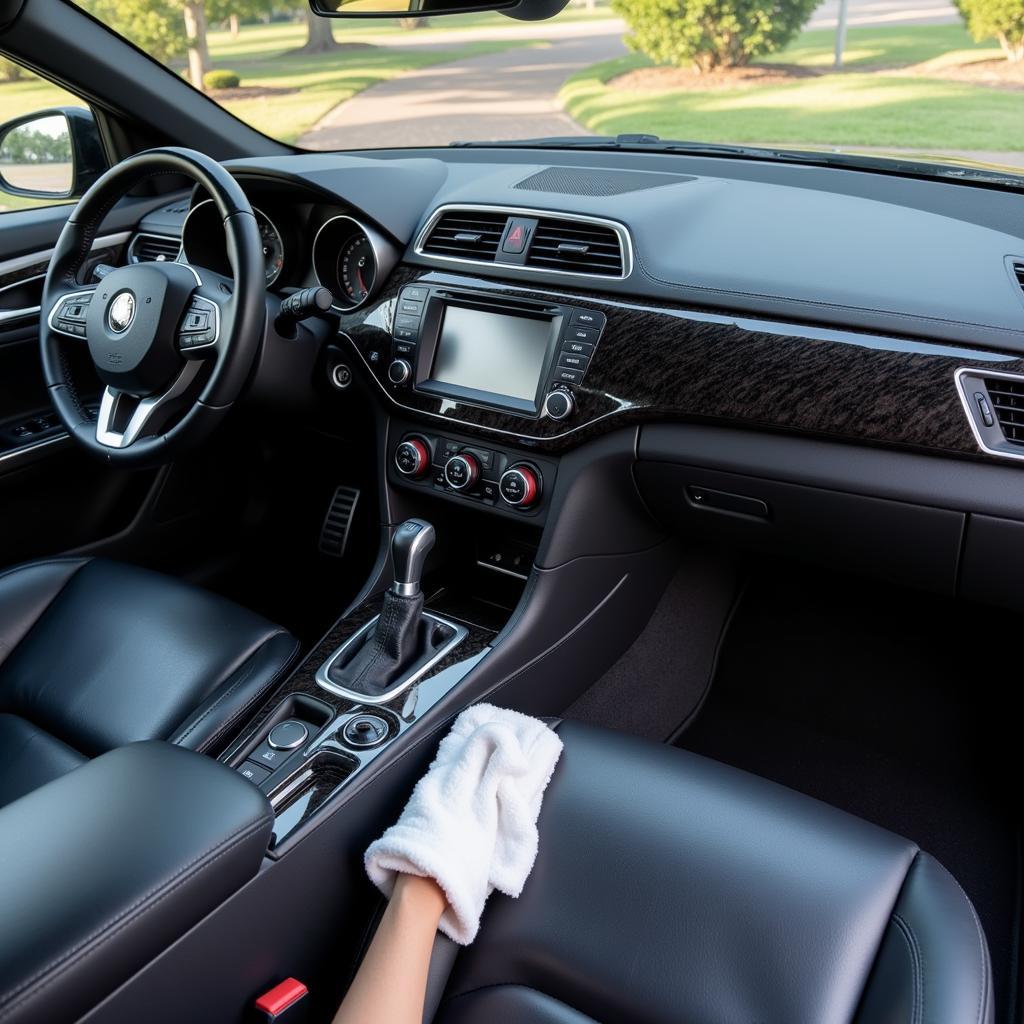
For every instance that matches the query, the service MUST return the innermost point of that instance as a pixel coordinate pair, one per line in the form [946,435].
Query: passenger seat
[670,889]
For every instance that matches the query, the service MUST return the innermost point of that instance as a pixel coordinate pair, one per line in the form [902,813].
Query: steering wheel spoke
[199,333]
[124,418]
[68,313]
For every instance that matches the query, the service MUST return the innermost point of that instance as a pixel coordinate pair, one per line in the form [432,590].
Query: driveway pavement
[513,94]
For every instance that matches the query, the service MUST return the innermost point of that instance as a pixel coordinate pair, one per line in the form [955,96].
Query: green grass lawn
[857,107]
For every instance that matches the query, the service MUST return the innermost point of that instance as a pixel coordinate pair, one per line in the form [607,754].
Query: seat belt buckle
[287,1003]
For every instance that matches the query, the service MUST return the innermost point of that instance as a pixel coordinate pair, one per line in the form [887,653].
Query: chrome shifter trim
[324,680]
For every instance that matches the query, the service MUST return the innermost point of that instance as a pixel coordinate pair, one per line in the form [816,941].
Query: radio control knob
[462,471]
[559,405]
[412,458]
[520,486]
[399,371]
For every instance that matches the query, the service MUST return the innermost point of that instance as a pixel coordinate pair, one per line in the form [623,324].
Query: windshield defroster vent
[153,249]
[467,234]
[576,246]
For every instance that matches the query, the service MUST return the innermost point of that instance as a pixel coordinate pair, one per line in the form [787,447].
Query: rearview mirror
[51,154]
[521,10]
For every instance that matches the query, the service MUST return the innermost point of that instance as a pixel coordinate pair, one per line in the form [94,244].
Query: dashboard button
[412,457]
[587,334]
[406,333]
[405,320]
[414,294]
[588,318]
[520,486]
[565,375]
[581,348]
[410,307]
[574,361]
[399,371]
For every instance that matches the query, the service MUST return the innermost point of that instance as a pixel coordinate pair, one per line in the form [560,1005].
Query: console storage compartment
[107,866]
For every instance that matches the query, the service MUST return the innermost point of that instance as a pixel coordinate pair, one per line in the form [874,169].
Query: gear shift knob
[409,549]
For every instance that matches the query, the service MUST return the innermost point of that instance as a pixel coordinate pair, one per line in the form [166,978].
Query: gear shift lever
[409,549]
[400,638]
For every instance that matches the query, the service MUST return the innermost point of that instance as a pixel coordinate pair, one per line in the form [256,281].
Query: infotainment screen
[488,352]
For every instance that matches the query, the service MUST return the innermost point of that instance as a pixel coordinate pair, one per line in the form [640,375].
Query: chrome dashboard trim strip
[12,266]
[27,449]
[621,231]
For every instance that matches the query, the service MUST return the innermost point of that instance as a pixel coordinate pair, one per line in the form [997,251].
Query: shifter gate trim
[323,679]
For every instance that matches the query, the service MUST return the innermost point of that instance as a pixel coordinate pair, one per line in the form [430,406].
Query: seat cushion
[29,758]
[671,888]
[96,654]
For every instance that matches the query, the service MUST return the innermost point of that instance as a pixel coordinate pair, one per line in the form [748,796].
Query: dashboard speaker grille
[469,234]
[153,249]
[1007,397]
[568,181]
[576,246]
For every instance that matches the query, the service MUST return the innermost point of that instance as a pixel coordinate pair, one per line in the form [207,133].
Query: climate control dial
[520,486]
[412,458]
[462,471]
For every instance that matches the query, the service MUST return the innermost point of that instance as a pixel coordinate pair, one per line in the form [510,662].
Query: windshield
[922,78]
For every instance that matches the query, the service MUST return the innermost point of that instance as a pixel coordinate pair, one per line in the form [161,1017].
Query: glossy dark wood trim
[664,362]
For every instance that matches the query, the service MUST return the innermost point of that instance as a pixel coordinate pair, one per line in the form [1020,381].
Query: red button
[280,997]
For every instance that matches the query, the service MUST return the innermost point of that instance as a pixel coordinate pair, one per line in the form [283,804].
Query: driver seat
[95,654]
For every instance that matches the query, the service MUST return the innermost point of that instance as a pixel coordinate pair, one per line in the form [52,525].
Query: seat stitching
[247,672]
[917,967]
[216,735]
[145,902]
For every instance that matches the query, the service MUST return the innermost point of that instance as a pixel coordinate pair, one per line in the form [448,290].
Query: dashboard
[541,303]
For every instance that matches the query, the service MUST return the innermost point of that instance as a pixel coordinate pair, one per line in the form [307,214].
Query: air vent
[576,246]
[153,249]
[1017,269]
[467,234]
[1007,397]
[338,521]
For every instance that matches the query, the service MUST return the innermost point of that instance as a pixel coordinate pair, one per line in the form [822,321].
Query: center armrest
[105,867]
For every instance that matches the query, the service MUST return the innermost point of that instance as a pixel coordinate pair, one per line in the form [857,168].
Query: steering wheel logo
[121,312]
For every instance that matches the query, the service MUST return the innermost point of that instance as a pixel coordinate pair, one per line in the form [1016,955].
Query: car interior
[710,459]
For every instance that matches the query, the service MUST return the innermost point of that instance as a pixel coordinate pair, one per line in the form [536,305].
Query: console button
[520,486]
[268,756]
[462,471]
[365,731]
[406,333]
[588,318]
[399,371]
[410,307]
[288,735]
[405,320]
[581,348]
[565,375]
[574,361]
[559,405]
[587,334]
[414,293]
[255,773]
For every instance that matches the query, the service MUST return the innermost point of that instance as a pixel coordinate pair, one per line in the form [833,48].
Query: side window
[50,150]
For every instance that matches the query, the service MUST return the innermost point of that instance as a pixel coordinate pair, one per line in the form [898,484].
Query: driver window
[35,154]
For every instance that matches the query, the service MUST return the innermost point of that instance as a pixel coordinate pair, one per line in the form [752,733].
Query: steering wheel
[172,343]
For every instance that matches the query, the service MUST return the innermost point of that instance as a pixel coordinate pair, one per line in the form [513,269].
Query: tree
[319,33]
[710,34]
[996,19]
[9,70]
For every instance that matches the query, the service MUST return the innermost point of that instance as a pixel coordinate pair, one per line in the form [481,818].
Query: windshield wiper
[687,147]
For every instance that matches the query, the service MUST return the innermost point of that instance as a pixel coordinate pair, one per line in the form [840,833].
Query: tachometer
[357,269]
[351,260]
[273,247]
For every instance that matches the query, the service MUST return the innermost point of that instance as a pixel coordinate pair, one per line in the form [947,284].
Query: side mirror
[51,154]
[521,10]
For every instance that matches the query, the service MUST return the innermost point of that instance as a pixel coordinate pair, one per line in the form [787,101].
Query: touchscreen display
[503,355]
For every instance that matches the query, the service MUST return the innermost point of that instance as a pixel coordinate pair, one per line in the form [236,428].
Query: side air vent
[579,247]
[467,234]
[1006,400]
[153,249]
[1017,269]
[994,403]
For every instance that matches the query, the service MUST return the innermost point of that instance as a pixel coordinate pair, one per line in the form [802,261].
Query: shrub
[221,80]
[996,19]
[9,71]
[711,33]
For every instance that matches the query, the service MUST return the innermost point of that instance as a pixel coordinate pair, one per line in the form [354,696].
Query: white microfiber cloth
[471,822]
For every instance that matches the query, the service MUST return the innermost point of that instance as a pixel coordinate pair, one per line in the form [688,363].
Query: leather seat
[96,654]
[670,888]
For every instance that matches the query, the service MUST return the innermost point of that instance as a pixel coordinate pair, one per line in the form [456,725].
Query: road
[513,94]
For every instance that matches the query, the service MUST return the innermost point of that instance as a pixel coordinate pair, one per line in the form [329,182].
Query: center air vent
[153,249]
[531,240]
[577,246]
[467,234]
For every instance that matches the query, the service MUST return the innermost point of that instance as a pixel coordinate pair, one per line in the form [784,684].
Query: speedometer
[273,247]
[357,269]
